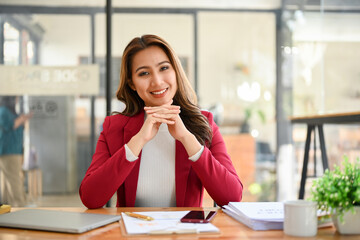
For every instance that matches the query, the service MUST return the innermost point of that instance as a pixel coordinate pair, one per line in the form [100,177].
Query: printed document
[166,222]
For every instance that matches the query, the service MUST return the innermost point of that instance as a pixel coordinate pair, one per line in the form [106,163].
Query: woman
[161,151]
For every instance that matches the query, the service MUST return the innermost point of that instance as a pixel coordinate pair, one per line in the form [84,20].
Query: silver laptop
[57,221]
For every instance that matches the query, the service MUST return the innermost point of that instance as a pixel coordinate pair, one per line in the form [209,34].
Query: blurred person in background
[11,152]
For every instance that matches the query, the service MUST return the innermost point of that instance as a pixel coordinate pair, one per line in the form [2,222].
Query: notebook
[57,221]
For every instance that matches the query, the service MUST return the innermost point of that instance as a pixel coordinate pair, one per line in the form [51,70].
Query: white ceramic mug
[300,218]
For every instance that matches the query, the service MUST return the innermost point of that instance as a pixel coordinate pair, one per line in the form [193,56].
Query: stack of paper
[167,222]
[266,215]
[257,215]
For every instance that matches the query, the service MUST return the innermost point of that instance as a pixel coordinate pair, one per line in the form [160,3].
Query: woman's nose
[156,79]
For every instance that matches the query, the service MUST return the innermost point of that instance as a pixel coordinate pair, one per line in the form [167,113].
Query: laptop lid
[57,221]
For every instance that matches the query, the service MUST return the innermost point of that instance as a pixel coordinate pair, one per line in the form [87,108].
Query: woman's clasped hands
[168,114]
[155,116]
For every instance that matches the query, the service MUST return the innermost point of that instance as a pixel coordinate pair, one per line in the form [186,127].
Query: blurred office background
[253,64]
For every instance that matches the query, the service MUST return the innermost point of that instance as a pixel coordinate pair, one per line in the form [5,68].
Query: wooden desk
[229,229]
[317,121]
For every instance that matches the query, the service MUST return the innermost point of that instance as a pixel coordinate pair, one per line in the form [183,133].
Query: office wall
[177,29]
[66,38]
[231,38]
[326,69]
[236,48]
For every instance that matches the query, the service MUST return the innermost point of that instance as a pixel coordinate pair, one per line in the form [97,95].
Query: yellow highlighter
[4,208]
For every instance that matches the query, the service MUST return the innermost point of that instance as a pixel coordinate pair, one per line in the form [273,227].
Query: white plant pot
[351,224]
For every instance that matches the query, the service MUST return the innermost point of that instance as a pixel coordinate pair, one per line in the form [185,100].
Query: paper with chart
[165,222]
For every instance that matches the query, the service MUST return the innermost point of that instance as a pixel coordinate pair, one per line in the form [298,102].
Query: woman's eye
[164,68]
[143,74]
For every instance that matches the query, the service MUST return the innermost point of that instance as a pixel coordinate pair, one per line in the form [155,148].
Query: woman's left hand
[178,129]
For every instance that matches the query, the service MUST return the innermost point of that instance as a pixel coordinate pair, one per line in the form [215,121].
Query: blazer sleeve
[216,171]
[107,172]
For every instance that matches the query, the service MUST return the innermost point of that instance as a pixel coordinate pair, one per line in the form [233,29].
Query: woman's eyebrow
[142,67]
[163,62]
[139,68]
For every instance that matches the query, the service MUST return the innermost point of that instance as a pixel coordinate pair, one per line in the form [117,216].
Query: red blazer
[110,172]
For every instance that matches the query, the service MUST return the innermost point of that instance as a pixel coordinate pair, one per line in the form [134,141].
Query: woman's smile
[160,92]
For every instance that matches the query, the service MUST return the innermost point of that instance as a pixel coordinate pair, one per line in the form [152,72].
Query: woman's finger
[165,115]
[161,108]
[161,119]
[163,111]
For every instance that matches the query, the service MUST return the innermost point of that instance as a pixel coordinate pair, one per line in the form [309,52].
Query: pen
[139,216]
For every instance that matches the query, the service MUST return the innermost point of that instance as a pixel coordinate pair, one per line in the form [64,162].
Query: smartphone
[198,217]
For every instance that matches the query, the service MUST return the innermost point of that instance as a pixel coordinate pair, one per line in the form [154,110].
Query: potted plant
[338,192]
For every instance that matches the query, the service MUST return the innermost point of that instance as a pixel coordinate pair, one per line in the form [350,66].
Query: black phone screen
[198,216]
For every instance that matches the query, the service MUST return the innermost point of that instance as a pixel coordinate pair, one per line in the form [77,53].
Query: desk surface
[229,229]
[349,117]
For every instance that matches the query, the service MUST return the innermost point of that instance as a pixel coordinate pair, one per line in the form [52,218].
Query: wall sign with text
[49,81]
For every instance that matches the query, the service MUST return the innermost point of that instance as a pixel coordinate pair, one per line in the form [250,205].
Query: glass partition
[324,49]
[237,77]
[53,138]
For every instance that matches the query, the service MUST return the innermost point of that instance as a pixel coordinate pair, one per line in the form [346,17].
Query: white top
[156,182]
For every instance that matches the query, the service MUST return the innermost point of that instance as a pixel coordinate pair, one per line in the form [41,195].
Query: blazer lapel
[130,129]
[182,169]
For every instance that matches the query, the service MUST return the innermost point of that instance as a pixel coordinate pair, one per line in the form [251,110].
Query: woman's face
[153,76]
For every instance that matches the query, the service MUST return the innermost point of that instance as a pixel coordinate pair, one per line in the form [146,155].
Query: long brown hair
[185,96]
